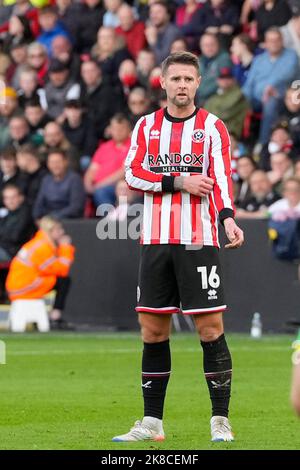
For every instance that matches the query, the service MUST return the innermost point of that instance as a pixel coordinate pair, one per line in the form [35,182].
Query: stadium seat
[28,311]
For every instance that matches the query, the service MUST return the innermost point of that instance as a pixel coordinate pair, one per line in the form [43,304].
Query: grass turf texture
[70,391]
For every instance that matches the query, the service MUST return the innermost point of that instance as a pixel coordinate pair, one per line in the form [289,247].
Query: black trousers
[62,287]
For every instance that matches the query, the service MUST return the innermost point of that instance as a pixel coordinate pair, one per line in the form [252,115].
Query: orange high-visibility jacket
[36,266]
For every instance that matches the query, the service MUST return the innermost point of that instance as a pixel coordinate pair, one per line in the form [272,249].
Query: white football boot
[220,429]
[149,429]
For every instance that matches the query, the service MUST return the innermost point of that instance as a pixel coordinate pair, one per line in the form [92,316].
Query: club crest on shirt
[198,136]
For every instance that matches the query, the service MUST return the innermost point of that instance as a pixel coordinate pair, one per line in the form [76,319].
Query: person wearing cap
[228,102]
[60,87]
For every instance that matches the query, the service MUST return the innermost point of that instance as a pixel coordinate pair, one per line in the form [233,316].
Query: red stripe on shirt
[175,216]
[153,148]
[212,213]
[136,165]
[225,151]
[198,148]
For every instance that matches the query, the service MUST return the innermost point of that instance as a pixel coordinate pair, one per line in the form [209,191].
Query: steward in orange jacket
[37,265]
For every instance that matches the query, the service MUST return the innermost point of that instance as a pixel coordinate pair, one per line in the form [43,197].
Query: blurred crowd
[76,75]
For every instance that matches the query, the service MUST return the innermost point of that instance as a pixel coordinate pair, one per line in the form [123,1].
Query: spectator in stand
[18,57]
[19,132]
[111,17]
[37,119]
[91,14]
[29,88]
[20,7]
[62,50]
[139,104]
[238,150]
[69,14]
[16,227]
[216,16]
[54,138]
[289,206]
[281,170]
[8,107]
[32,172]
[145,63]
[9,171]
[242,55]
[245,166]
[212,59]
[5,62]
[132,30]
[228,103]
[60,87]
[154,88]
[160,32]
[280,141]
[128,77]
[109,52]
[289,116]
[107,166]
[41,265]
[80,131]
[262,196]
[291,31]
[98,97]
[249,7]
[269,76]
[179,45]
[125,197]
[61,193]
[18,31]
[38,60]
[186,12]
[50,26]
[271,13]
[297,169]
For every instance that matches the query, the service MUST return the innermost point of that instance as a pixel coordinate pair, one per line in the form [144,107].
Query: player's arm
[140,178]
[136,176]
[220,172]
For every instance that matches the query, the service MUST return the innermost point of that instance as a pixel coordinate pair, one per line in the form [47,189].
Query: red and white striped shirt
[165,146]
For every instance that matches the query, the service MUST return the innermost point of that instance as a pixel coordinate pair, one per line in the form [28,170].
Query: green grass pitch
[75,391]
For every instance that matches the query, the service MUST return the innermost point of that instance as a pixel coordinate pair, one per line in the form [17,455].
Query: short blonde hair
[47,223]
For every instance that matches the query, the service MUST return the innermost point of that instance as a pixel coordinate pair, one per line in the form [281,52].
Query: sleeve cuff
[225,213]
[167,184]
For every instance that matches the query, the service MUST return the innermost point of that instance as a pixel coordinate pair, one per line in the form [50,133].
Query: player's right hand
[199,185]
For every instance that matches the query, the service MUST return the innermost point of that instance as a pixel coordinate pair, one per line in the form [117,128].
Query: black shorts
[173,279]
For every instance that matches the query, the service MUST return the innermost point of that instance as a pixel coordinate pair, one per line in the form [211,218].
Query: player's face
[181,82]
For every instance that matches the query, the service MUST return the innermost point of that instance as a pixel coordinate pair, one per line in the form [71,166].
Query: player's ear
[199,80]
[162,82]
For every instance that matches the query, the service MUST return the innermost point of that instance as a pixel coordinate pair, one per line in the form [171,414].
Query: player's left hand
[234,234]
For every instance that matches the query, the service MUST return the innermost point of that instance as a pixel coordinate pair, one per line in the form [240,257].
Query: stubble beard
[181,104]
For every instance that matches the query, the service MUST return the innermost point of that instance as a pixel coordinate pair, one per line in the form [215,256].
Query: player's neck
[180,113]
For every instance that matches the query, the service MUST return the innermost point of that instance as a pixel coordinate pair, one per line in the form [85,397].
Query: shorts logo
[198,136]
[212,294]
[138,293]
[154,134]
